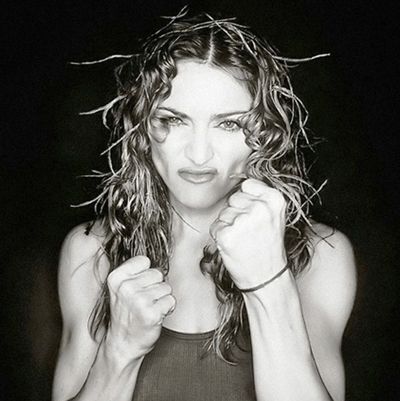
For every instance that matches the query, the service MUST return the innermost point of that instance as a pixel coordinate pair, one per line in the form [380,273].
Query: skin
[200,128]
[292,370]
[296,325]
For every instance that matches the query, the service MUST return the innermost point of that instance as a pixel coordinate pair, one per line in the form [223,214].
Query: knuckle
[127,288]
[122,288]
[141,301]
[221,213]
[234,198]
[150,276]
[262,212]
[240,218]
[172,299]
[167,288]
[280,199]
[213,230]
[224,237]
[238,202]
[153,317]
[224,214]
[140,261]
[249,182]
[157,274]
[112,280]
[246,184]
[171,304]
[253,185]
[260,207]
[161,290]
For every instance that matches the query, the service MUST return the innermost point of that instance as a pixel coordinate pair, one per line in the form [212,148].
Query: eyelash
[176,122]
[171,121]
[236,127]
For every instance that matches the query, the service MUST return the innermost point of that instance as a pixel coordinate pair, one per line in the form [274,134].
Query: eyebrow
[185,116]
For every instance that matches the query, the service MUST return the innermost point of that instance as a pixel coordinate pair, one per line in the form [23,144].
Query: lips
[197,176]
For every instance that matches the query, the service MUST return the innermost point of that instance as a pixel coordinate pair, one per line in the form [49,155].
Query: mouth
[197,176]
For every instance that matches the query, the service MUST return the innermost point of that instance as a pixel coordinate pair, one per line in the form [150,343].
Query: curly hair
[134,202]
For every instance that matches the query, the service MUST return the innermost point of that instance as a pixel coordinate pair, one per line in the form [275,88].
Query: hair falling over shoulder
[133,203]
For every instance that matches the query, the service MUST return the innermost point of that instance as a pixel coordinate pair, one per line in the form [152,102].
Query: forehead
[200,87]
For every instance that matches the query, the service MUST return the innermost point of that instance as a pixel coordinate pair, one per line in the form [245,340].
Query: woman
[204,278]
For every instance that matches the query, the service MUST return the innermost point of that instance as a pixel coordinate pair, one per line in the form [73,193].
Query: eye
[230,125]
[171,121]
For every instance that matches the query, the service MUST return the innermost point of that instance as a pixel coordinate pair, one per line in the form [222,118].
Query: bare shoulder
[80,249]
[332,252]
[82,268]
[86,238]
[327,286]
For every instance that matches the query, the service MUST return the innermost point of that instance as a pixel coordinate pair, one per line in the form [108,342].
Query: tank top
[180,368]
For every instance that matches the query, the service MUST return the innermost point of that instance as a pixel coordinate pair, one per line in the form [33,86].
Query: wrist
[266,282]
[276,298]
[110,377]
[119,356]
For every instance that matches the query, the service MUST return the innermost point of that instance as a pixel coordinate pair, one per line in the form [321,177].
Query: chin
[199,200]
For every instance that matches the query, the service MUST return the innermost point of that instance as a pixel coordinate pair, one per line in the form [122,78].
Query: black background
[45,145]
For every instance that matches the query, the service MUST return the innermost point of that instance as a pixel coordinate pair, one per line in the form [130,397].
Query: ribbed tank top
[179,368]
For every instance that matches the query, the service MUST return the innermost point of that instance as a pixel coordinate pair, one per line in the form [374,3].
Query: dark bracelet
[257,287]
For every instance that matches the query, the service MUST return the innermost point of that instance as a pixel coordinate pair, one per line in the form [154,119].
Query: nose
[199,149]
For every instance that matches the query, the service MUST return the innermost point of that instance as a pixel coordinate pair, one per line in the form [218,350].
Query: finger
[166,305]
[228,215]
[240,200]
[254,187]
[127,270]
[149,277]
[216,226]
[263,192]
[126,286]
[158,291]
[134,265]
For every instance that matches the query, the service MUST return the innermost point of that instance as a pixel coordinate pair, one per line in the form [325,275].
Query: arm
[109,378]
[139,300]
[85,368]
[298,327]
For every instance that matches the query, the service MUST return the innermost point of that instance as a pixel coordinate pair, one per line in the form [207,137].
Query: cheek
[164,156]
[158,132]
[236,156]
[159,158]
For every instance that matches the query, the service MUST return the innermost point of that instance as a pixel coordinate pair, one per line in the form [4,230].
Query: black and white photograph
[200,201]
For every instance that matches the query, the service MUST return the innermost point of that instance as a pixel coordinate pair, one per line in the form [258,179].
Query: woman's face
[196,139]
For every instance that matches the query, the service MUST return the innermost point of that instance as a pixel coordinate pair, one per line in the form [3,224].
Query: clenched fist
[139,302]
[249,233]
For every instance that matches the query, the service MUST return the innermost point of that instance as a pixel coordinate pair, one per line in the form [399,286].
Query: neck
[194,224]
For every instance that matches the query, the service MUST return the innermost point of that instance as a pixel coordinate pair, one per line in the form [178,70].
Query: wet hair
[134,205]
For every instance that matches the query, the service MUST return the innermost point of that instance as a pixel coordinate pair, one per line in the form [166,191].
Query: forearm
[284,366]
[111,378]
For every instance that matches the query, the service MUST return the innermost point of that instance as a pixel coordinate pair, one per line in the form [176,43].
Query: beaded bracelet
[257,287]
